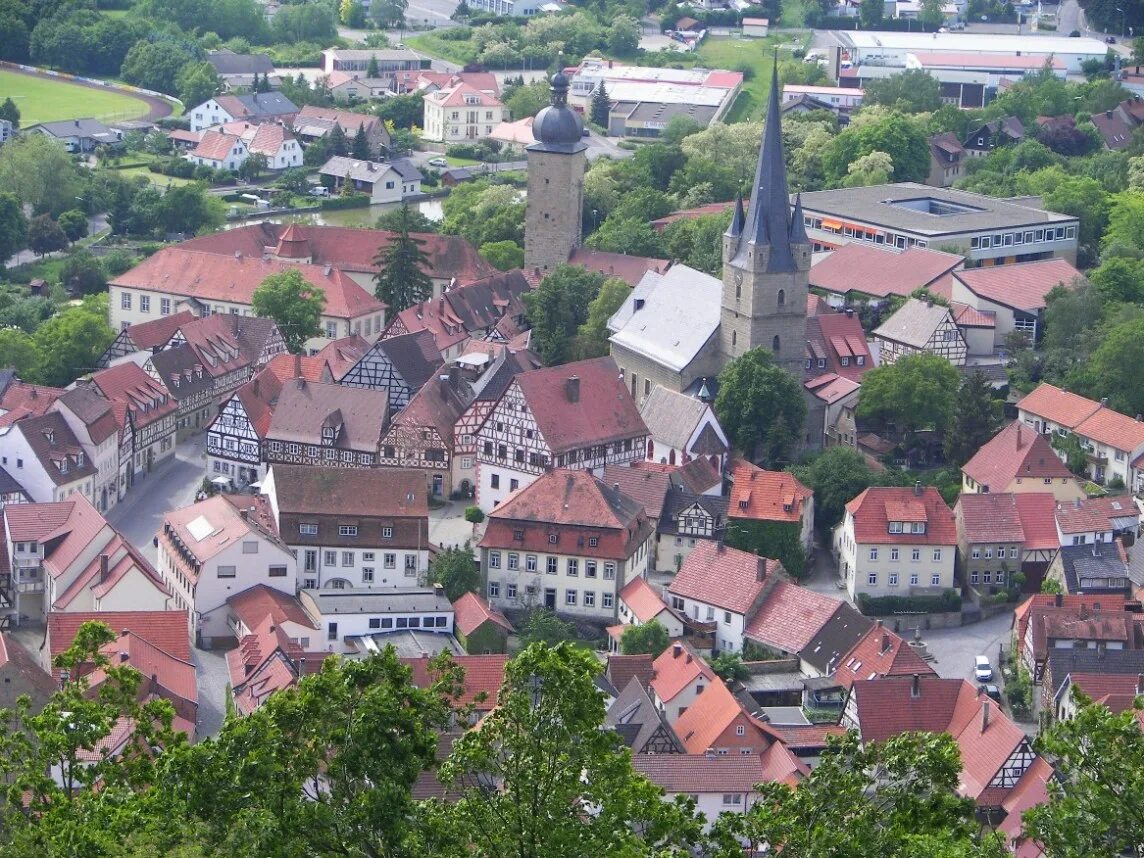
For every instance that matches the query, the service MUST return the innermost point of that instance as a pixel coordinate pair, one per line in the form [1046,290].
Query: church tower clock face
[738,278]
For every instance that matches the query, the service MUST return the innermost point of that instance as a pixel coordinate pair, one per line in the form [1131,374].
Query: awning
[830,223]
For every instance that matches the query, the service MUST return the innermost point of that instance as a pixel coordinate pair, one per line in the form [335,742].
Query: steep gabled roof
[472,611]
[646,487]
[877,506]
[1059,406]
[879,653]
[1015,451]
[569,497]
[724,577]
[990,518]
[790,617]
[672,417]
[676,668]
[635,717]
[761,495]
[915,323]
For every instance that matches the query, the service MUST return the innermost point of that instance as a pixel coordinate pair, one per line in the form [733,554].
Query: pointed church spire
[768,223]
[736,227]
[797,224]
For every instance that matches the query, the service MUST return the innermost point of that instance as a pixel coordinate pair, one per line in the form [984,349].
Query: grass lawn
[430,43]
[735,53]
[154,178]
[43,100]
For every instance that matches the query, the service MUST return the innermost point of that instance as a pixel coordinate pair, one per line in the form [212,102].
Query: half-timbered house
[143,407]
[422,435]
[180,371]
[398,365]
[921,327]
[579,416]
[352,528]
[995,752]
[145,336]
[566,542]
[327,425]
[235,437]
[640,724]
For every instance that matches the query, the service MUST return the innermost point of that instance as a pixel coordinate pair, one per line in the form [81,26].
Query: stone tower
[556,163]
[766,262]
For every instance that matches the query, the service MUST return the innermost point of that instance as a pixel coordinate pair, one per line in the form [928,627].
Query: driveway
[95,224]
[171,485]
[448,528]
[954,649]
[213,679]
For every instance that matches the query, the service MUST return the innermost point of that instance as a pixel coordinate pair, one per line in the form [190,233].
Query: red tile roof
[714,712]
[630,269]
[1095,514]
[830,388]
[215,146]
[1059,406]
[691,774]
[690,214]
[834,336]
[990,518]
[398,493]
[603,412]
[472,611]
[872,513]
[790,617]
[484,676]
[676,668]
[643,600]
[965,316]
[174,674]
[1117,430]
[166,630]
[1116,692]
[1032,789]
[645,486]
[341,355]
[880,273]
[260,602]
[760,495]
[725,577]
[158,332]
[621,669]
[127,384]
[1016,451]
[22,400]
[879,653]
[226,523]
[187,271]
[126,557]
[1037,512]
[1038,604]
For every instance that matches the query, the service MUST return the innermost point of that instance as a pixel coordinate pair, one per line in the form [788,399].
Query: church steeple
[736,227]
[768,223]
[798,223]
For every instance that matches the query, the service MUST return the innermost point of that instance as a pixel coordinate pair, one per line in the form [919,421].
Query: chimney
[918,488]
[885,644]
[123,657]
[1058,600]
[1104,402]
[103,560]
[572,388]
[297,366]
[245,513]
[849,312]
[709,754]
[1108,114]
[916,688]
[301,383]
[1018,436]
[676,649]
[984,715]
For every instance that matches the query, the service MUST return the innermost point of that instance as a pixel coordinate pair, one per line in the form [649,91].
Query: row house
[145,413]
[541,421]
[1106,667]
[1044,623]
[191,389]
[18,399]
[236,437]
[770,503]
[352,528]
[326,424]
[897,542]
[422,435]
[1093,521]
[1019,460]
[1001,534]
[490,308]
[65,557]
[565,542]
[398,365]
[91,418]
[46,458]
[718,589]
[920,327]
[839,405]
[1113,443]
[683,428]
[215,549]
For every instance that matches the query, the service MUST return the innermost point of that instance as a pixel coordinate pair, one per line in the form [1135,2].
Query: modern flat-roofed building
[389,60]
[986,230]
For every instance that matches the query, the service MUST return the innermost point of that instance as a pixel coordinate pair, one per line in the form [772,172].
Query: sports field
[47,100]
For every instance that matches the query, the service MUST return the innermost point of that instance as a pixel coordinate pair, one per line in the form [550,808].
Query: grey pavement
[954,649]
[213,679]
[448,528]
[96,223]
[171,485]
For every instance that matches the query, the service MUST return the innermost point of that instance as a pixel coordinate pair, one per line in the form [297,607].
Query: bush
[474,515]
[349,201]
[1117,482]
[884,606]
[485,150]
[1019,690]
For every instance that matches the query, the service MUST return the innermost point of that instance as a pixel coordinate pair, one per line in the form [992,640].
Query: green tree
[633,236]
[592,337]
[415,220]
[503,255]
[1110,376]
[601,105]
[72,341]
[544,748]
[761,407]
[837,476]
[527,99]
[13,226]
[19,350]
[9,111]
[910,91]
[543,626]
[401,280]
[83,274]
[403,111]
[932,13]
[729,667]
[74,224]
[1120,278]
[557,309]
[1125,219]
[651,638]
[307,22]
[900,137]
[456,571]
[915,392]
[779,540]
[892,798]
[1099,759]
[976,417]
[371,70]
[41,174]
[156,65]
[189,209]
[336,142]
[870,13]
[388,14]
[253,167]
[624,35]
[45,235]
[294,304]
[198,82]
[360,147]
[874,168]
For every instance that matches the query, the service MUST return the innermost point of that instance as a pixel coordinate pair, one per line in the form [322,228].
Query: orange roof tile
[676,668]
[642,599]
[167,630]
[880,273]
[713,712]
[254,605]
[871,511]
[1059,406]
[1015,451]
[766,495]
[1022,286]
[484,676]
[471,611]
[724,577]
[1037,512]
[879,653]
[1114,429]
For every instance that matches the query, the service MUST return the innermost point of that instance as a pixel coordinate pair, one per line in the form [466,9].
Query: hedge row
[884,606]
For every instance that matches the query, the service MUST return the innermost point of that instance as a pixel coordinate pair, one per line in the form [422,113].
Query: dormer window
[743,504]
[845,361]
[518,534]
[860,360]
[895,527]
[50,435]
[63,466]
[79,459]
[919,527]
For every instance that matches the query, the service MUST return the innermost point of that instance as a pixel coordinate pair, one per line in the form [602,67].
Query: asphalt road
[95,224]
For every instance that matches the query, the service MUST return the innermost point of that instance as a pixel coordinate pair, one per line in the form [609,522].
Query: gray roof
[880,205]
[558,128]
[679,499]
[395,600]
[304,407]
[1062,662]
[414,356]
[267,103]
[914,323]
[1093,569]
[672,417]
[658,111]
[379,53]
[678,313]
[177,368]
[9,485]
[836,638]
[368,171]
[635,717]
[54,444]
[406,168]
[92,128]
[229,63]
[409,643]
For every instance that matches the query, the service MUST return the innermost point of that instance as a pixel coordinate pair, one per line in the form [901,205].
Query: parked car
[1111,40]
[982,669]
[438,162]
[991,691]
[319,191]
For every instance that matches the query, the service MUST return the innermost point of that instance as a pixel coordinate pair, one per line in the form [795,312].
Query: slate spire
[768,216]
[736,227]
[797,223]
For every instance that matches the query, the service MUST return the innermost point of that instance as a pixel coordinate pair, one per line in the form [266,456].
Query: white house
[254,107]
[272,140]
[92,420]
[683,428]
[215,549]
[45,457]
[344,616]
[718,589]
[462,113]
[389,182]
[897,542]
[679,676]
[219,151]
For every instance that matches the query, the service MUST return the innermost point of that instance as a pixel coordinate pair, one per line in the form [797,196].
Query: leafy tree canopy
[761,407]
[294,304]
